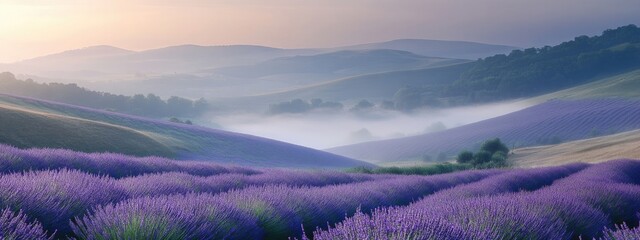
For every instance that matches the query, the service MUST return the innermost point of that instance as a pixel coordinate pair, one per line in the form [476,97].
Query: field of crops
[547,123]
[182,141]
[63,194]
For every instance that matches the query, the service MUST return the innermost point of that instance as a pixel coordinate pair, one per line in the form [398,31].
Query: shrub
[494,145]
[482,157]
[465,157]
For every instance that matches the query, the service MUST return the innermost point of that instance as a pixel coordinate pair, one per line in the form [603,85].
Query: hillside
[592,150]
[520,74]
[98,62]
[438,48]
[349,62]
[149,106]
[551,122]
[25,129]
[180,141]
[625,85]
[380,86]
[95,61]
[536,71]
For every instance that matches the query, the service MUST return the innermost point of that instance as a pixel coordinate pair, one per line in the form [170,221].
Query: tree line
[532,71]
[149,105]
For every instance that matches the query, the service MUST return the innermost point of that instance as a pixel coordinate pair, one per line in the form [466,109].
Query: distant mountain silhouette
[438,48]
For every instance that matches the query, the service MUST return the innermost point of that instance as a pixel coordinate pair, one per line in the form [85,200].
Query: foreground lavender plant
[400,225]
[168,217]
[14,226]
[55,197]
[279,211]
[582,204]
[621,232]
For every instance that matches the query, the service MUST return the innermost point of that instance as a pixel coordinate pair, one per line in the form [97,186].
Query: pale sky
[30,28]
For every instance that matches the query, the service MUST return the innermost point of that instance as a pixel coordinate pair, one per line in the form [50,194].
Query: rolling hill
[551,122]
[50,124]
[625,85]
[26,129]
[520,74]
[438,48]
[379,86]
[100,61]
[345,63]
[592,150]
[285,73]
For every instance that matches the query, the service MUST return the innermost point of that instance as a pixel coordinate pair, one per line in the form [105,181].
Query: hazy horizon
[35,28]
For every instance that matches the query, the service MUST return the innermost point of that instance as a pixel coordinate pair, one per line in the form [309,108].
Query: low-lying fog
[323,130]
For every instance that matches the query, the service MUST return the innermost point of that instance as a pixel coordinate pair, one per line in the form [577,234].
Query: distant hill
[275,75]
[592,150]
[438,48]
[535,71]
[50,124]
[345,63]
[87,52]
[376,86]
[99,61]
[109,63]
[520,74]
[547,123]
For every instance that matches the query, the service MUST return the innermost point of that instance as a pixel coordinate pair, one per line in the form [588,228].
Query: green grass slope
[85,129]
[24,129]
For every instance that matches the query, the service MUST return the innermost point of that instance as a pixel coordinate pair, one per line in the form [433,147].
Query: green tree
[482,157]
[499,158]
[464,157]
[494,145]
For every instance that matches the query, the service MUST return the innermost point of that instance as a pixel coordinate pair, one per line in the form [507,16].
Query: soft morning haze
[319,119]
[33,28]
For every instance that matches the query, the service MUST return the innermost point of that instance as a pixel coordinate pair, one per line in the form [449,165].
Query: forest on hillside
[150,105]
[533,71]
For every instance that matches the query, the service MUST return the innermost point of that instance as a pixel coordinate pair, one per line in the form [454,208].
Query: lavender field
[547,123]
[61,194]
[182,141]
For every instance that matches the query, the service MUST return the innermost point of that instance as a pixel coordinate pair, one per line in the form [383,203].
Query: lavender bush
[169,217]
[579,205]
[55,197]
[622,232]
[281,210]
[14,226]
[111,196]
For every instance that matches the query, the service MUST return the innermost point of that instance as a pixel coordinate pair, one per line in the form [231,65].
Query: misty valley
[315,128]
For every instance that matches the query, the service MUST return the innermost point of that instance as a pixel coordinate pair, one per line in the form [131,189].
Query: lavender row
[54,197]
[622,232]
[275,212]
[111,164]
[515,180]
[580,205]
[512,181]
[15,226]
[180,183]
